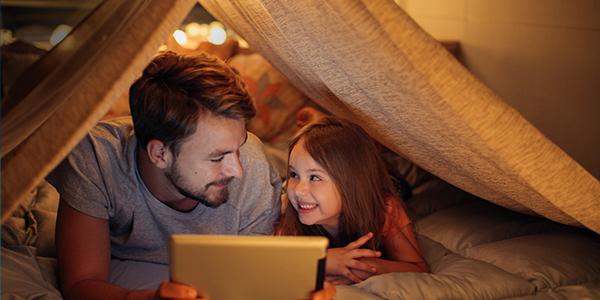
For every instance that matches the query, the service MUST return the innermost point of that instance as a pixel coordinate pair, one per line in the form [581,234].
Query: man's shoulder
[253,142]
[108,145]
[107,136]
[260,181]
[253,151]
[114,129]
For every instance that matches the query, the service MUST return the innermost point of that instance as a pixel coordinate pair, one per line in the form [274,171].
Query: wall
[541,56]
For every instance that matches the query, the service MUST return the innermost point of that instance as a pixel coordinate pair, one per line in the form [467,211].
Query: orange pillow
[276,100]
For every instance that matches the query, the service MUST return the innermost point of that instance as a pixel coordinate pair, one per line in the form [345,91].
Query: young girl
[338,187]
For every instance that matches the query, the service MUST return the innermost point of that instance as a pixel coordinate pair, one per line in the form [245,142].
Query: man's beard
[176,179]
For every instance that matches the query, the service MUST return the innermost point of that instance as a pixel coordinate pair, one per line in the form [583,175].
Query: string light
[180,37]
[59,34]
[217,34]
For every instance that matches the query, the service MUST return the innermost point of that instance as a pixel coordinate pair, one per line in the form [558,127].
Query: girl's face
[312,191]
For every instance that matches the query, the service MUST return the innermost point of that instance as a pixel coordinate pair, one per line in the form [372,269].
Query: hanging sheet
[369,61]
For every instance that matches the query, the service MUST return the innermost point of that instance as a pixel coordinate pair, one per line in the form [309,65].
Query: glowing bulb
[59,33]
[194,29]
[243,44]
[215,24]
[180,37]
[217,35]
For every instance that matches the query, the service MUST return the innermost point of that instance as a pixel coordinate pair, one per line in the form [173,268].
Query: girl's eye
[315,178]
[220,158]
[293,174]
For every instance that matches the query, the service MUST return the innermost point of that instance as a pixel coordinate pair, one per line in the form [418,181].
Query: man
[183,163]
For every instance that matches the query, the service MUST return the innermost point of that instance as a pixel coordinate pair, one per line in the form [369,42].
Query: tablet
[228,267]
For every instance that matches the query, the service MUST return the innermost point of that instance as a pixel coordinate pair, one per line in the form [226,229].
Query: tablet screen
[249,267]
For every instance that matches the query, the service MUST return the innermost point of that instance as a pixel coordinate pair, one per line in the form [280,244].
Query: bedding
[475,249]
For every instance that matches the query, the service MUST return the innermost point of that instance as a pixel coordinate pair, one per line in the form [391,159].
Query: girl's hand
[340,261]
[338,280]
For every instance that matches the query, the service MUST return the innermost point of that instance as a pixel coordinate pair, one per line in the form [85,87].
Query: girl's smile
[305,208]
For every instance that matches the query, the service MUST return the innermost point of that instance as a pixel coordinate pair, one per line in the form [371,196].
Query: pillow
[479,222]
[276,100]
[25,276]
[33,223]
[453,277]
[559,258]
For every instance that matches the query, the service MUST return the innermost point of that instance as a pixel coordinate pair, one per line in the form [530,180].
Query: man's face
[208,160]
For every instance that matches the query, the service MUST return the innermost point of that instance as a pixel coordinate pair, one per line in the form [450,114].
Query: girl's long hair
[352,159]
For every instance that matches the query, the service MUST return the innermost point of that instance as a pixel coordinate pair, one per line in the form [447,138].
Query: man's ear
[159,154]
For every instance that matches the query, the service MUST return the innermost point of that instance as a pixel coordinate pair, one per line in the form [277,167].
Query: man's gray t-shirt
[100,178]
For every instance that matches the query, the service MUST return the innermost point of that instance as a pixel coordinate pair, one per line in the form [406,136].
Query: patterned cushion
[276,100]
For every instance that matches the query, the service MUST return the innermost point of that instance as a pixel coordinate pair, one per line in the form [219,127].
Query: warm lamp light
[217,35]
[180,37]
[59,33]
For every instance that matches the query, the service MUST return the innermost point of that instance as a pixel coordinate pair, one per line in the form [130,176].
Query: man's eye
[218,159]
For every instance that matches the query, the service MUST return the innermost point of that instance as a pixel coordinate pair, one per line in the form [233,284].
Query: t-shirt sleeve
[79,182]
[261,189]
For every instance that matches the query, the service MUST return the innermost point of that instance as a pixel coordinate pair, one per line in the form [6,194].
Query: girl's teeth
[307,206]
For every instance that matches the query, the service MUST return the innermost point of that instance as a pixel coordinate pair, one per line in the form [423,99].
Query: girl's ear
[158,153]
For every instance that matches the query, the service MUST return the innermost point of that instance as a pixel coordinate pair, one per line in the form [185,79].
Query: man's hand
[340,261]
[172,290]
[327,293]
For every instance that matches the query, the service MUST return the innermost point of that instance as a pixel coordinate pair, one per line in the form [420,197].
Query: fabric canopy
[61,97]
[369,61]
[366,60]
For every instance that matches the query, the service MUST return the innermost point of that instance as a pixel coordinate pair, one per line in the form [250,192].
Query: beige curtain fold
[369,61]
[64,94]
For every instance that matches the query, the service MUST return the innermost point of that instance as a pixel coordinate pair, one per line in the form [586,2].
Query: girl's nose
[301,188]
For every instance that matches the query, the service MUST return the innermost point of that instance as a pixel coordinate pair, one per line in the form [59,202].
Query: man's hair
[353,161]
[175,90]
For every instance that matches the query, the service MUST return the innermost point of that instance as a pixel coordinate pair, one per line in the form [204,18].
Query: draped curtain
[370,62]
[365,60]
[64,94]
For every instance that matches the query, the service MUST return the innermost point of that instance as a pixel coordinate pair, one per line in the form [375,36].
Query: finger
[355,264]
[176,291]
[358,253]
[360,241]
[352,276]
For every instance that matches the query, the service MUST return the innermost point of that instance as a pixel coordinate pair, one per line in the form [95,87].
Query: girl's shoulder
[396,217]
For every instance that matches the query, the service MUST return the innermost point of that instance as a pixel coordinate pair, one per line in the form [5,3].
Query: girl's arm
[403,254]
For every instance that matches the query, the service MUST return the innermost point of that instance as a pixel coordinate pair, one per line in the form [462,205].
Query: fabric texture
[25,276]
[64,94]
[370,62]
[100,178]
[137,275]
[32,224]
